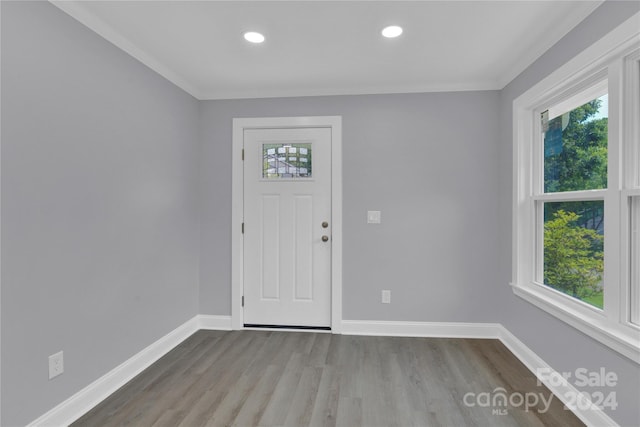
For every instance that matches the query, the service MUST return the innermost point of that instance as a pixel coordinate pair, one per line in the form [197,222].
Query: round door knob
[325,238]
[325,224]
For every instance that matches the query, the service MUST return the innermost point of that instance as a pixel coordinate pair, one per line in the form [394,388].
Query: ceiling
[332,47]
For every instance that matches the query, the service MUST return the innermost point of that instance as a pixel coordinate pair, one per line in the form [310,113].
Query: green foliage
[581,165]
[573,258]
[582,162]
[573,241]
[596,300]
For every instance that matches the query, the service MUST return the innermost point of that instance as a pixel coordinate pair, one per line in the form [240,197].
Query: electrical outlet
[56,365]
[386,297]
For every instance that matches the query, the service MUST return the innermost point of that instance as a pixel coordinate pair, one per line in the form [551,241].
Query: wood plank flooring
[264,378]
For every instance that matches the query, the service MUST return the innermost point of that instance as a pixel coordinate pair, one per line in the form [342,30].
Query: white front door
[287,227]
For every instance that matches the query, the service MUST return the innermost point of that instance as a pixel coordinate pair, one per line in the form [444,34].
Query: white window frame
[613,58]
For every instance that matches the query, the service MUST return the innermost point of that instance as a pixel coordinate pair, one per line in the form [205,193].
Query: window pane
[574,249]
[635,261]
[636,113]
[575,148]
[286,160]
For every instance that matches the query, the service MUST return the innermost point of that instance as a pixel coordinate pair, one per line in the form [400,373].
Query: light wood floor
[250,378]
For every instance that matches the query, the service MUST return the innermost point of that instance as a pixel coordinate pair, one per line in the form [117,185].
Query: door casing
[237,207]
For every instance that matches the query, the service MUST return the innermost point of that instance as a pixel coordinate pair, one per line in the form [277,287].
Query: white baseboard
[83,401]
[554,381]
[222,323]
[420,329]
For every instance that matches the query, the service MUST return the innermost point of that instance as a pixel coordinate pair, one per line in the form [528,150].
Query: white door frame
[237,208]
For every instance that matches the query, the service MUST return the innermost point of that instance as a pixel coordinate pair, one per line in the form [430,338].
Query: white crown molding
[80,403]
[553,36]
[77,11]
[371,90]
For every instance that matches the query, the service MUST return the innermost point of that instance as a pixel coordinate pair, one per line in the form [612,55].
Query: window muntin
[287,160]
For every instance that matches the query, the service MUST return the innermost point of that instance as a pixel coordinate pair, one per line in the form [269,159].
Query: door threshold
[295,327]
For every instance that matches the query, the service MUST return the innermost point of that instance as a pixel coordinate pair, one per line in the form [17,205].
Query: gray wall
[562,346]
[429,162]
[99,207]
[101,194]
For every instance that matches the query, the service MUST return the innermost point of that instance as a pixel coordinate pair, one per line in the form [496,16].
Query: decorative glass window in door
[286,160]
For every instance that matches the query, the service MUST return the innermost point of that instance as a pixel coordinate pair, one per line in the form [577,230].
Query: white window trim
[610,326]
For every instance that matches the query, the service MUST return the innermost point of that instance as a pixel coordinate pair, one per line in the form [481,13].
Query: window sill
[623,339]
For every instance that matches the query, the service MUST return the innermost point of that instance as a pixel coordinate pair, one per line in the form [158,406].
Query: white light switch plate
[373,217]
[386,297]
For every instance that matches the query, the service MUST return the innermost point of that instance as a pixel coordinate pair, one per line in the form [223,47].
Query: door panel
[287,197]
[302,251]
[270,278]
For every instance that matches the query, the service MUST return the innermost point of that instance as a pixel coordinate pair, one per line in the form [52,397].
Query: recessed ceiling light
[391,31]
[253,37]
